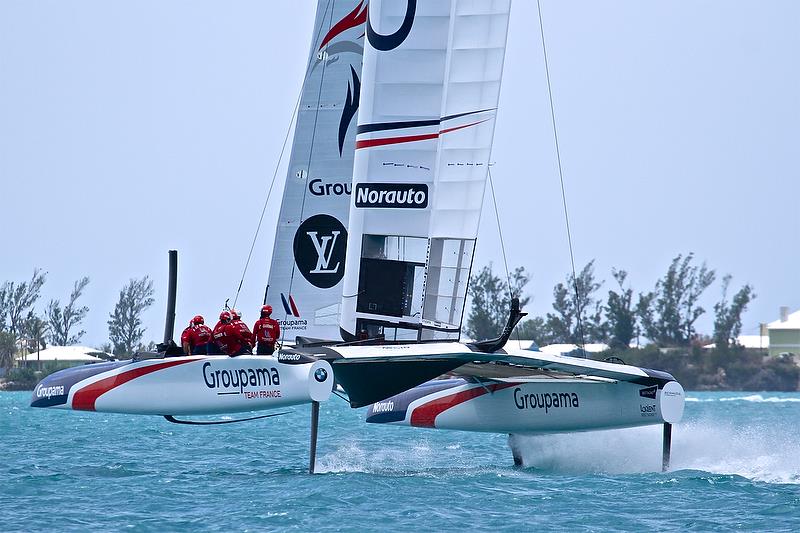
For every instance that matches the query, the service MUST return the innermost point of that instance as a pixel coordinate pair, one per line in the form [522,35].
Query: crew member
[266,332]
[186,338]
[221,338]
[201,337]
[240,335]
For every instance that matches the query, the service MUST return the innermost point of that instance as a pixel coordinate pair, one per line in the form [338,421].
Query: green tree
[62,321]
[536,329]
[125,329]
[491,301]
[668,313]
[620,313]
[18,300]
[7,349]
[728,315]
[578,314]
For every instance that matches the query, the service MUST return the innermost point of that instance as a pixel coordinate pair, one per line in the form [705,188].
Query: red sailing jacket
[201,335]
[239,335]
[186,337]
[223,339]
[266,330]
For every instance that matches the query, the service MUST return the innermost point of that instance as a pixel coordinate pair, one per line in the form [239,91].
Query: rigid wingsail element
[308,256]
[429,91]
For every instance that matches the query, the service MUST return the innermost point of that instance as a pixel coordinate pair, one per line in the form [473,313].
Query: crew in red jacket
[222,341]
[266,332]
[186,339]
[240,335]
[201,336]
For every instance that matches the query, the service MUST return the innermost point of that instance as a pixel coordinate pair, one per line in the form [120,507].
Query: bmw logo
[321,375]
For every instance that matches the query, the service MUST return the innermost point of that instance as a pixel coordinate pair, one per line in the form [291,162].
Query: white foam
[756,398]
[758,452]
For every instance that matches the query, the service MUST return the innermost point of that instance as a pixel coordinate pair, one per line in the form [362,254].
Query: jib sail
[308,256]
[430,87]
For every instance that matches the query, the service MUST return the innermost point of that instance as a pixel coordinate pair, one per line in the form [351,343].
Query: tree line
[22,328]
[666,314]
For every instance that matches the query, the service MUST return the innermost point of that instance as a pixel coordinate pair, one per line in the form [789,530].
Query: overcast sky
[128,128]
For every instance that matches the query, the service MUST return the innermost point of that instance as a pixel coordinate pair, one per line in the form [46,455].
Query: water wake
[755,398]
[759,452]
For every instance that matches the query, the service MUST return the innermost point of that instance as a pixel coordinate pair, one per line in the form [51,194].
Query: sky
[130,128]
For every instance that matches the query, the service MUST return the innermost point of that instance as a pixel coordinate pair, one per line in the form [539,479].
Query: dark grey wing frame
[492,345]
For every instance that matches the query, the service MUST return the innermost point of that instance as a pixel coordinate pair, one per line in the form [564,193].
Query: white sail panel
[308,257]
[430,88]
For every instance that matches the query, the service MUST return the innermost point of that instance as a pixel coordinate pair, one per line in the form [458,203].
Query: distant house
[747,341]
[784,333]
[68,355]
[573,349]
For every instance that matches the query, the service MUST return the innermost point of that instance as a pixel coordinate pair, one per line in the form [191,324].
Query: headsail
[310,241]
[430,87]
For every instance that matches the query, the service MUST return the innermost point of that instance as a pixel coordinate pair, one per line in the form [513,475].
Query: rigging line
[277,167]
[269,194]
[313,138]
[561,177]
[502,242]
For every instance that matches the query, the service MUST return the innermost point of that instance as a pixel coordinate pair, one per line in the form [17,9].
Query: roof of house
[793,322]
[559,349]
[747,341]
[66,353]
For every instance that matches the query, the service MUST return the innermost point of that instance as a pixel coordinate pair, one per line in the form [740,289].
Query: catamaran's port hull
[533,406]
[198,385]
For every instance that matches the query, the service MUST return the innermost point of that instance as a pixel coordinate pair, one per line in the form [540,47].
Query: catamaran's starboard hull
[198,385]
[532,406]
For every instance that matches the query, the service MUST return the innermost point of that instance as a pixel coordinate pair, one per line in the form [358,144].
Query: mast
[311,237]
[430,88]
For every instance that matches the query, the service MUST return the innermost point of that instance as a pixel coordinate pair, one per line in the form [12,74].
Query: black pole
[266,291]
[666,446]
[313,448]
[169,324]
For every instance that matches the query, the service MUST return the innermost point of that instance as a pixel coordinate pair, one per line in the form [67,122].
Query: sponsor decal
[319,188]
[393,40]
[289,306]
[48,392]
[287,356]
[320,375]
[350,109]
[648,410]
[649,392]
[383,407]
[234,381]
[320,244]
[392,195]
[545,400]
[330,51]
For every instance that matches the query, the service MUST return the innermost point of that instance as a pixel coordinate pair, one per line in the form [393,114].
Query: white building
[70,355]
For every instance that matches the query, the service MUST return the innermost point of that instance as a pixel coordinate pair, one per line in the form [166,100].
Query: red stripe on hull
[425,415]
[84,399]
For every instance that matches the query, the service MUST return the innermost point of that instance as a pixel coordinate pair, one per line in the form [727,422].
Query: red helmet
[198,320]
[266,310]
[236,314]
[225,316]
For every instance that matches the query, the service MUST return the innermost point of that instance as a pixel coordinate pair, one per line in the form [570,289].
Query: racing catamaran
[375,242]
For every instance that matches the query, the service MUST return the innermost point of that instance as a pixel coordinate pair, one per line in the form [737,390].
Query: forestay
[311,237]
[430,87]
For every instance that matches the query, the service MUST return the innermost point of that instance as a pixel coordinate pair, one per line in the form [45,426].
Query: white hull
[198,385]
[537,406]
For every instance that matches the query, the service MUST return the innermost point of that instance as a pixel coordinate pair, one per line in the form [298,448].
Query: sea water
[735,465]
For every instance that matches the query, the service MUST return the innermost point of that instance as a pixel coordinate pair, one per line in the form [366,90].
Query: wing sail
[430,88]
[311,238]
